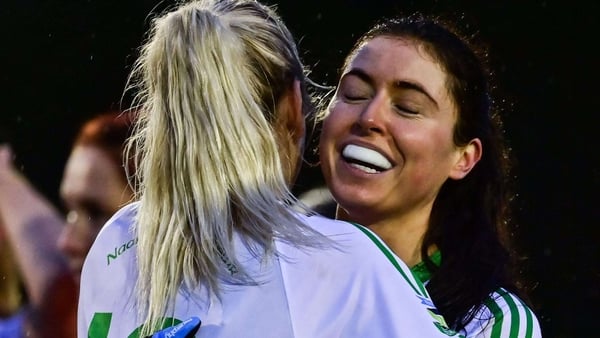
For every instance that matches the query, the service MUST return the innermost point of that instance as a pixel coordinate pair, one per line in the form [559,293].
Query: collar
[420,270]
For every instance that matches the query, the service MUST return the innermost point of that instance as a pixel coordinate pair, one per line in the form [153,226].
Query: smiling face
[93,189]
[387,142]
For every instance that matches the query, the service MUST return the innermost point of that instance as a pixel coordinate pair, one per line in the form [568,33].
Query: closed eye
[405,110]
[354,98]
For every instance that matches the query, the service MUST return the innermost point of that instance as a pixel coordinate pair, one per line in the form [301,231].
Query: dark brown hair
[470,217]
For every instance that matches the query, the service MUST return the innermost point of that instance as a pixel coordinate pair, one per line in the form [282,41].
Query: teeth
[367,156]
[364,168]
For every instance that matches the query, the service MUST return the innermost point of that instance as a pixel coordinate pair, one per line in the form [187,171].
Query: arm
[33,225]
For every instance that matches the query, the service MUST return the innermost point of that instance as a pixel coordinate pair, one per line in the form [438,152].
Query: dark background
[63,61]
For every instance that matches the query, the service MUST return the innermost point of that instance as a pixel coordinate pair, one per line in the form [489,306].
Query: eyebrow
[403,84]
[361,74]
[400,84]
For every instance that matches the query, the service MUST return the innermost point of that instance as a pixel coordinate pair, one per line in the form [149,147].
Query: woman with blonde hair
[222,98]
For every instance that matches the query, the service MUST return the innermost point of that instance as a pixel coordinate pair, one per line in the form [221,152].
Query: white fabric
[504,315]
[353,292]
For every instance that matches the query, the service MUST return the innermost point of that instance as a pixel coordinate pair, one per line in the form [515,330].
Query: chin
[353,206]
[354,196]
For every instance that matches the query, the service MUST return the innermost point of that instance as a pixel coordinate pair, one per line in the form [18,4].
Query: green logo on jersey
[119,250]
[100,325]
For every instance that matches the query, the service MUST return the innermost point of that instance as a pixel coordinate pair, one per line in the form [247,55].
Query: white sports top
[360,289]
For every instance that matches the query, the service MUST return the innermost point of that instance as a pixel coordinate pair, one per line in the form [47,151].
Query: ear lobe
[469,156]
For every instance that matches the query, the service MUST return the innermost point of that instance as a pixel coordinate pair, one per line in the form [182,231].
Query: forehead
[391,59]
[89,174]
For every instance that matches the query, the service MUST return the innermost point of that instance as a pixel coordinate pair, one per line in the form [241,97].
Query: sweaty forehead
[89,175]
[395,55]
[390,60]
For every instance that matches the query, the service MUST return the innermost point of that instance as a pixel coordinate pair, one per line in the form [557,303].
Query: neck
[403,234]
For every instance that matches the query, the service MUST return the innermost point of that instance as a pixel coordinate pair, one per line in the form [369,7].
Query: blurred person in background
[49,249]
[13,298]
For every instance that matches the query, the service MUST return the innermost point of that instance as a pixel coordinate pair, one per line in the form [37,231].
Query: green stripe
[515,318]
[514,313]
[391,258]
[498,317]
[528,319]
[100,325]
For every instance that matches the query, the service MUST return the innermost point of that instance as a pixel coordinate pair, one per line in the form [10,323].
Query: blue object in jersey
[185,329]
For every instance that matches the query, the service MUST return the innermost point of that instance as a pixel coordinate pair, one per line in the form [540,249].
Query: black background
[63,61]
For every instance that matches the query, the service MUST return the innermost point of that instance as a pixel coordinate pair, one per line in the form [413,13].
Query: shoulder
[361,247]
[363,289]
[348,240]
[503,314]
[340,231]
[108,271]
[113,248]
[121,220]
[118,230]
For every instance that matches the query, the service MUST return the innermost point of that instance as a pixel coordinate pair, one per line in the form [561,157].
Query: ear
[469,155]
[290,108]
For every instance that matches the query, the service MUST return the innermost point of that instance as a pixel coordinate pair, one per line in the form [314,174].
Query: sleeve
[504,315]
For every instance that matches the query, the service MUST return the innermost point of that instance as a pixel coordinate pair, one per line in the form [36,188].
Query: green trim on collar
[419,288]
[420,270]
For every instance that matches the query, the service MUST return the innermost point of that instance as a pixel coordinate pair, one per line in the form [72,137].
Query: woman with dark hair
[411,147]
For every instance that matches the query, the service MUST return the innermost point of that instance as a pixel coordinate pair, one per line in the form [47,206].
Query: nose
[372,117]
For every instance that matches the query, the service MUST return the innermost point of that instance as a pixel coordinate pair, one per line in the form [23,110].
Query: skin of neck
[402,233]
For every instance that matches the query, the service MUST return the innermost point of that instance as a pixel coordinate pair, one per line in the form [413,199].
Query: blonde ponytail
[208,81]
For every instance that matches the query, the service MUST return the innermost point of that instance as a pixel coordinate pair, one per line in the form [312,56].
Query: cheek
[93,233]
[326,133]
[326,136]
[429,139]
[338,119]
[89,233]
[433,162]
[89,229]
[430,148]
[327,146]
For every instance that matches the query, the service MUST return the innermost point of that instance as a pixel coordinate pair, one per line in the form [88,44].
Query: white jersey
[351,291]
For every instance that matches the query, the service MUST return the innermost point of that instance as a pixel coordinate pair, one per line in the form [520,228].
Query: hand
[185,329]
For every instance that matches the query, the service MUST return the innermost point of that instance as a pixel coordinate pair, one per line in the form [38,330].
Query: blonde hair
[208,81]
